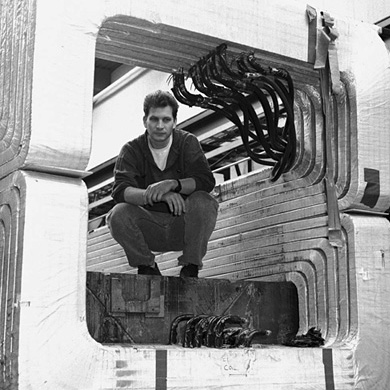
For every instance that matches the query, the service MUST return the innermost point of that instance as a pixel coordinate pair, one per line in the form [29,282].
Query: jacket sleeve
[126,172]
[196,165]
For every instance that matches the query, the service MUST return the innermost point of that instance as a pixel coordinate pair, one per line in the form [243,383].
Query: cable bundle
[212,331]
[231,88]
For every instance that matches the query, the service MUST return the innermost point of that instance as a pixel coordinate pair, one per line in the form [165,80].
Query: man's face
[159,124]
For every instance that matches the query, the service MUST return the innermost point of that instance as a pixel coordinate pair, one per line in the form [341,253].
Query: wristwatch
[178,187]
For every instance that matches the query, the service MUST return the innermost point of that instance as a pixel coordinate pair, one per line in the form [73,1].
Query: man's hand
[156,191]
[163,192]
[175,203]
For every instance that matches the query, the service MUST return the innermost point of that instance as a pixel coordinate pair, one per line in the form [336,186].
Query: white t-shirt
[161,155]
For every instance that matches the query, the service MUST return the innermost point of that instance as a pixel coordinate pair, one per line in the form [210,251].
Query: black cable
[227,87]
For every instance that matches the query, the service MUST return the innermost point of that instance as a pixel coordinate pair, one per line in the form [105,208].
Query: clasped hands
[163,192]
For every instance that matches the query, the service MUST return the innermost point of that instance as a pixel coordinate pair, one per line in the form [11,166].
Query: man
[162,185]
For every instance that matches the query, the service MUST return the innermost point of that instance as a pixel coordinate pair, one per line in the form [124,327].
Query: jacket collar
[173,152]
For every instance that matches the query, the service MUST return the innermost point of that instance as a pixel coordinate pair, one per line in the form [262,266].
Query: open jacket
[135,165]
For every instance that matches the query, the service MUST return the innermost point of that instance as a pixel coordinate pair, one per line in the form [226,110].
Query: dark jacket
[135,165]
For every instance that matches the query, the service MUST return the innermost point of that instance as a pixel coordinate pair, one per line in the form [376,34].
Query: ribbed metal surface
[17,46]
[165,48]
[11,223]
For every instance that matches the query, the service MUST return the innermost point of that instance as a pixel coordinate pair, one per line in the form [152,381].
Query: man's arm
[196,166]
[163,191]
[134,196]
[188,186]
[156,191]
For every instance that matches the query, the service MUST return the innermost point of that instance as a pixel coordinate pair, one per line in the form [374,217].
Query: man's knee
[119,215]
[203,203]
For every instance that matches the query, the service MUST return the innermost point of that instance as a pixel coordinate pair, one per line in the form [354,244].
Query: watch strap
[178,187]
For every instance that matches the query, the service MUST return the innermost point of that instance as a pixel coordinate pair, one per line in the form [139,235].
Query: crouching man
[161,189]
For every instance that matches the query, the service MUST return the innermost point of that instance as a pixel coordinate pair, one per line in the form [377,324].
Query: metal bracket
[141,295]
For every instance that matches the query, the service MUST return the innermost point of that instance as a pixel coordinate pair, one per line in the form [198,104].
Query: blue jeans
[140,231]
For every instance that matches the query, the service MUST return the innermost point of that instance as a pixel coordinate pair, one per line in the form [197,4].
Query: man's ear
[144,120]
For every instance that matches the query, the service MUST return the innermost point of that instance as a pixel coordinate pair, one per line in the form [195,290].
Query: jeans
[140,232]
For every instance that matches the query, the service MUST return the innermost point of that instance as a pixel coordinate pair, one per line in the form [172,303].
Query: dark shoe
[189,271]
[148,270]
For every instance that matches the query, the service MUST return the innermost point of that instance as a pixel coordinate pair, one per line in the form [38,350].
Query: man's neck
[159,145]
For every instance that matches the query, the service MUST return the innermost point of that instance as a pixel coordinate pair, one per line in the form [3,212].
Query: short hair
[160,99]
